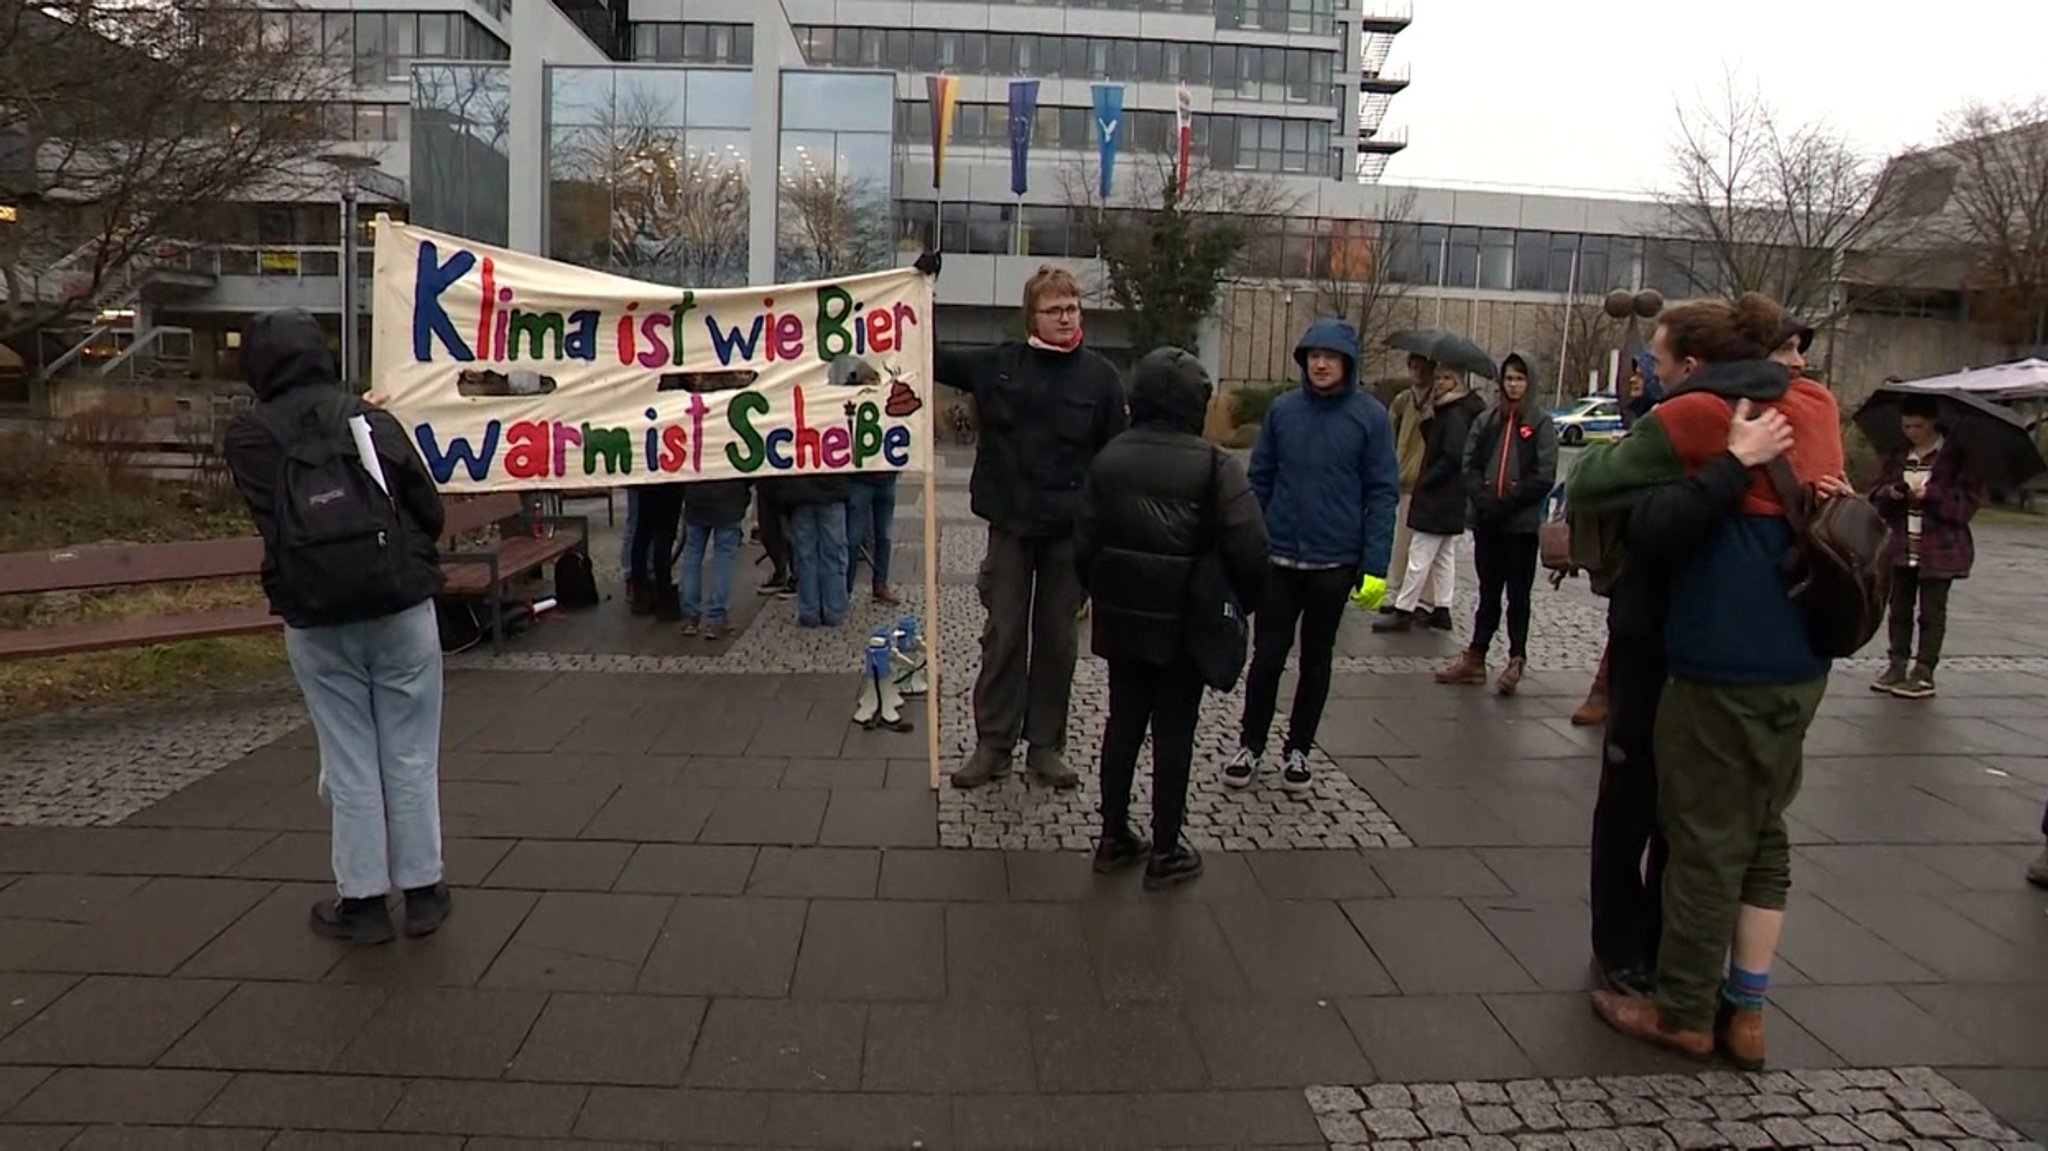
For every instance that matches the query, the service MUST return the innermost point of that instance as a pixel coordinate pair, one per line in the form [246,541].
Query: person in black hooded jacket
[1156,499]
[371,677]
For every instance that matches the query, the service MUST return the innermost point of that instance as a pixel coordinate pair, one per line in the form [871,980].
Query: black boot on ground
[426,909]
[1440,619]
[1115,852]
[1395,621]
[363,922]
[1172,867]
[641,598]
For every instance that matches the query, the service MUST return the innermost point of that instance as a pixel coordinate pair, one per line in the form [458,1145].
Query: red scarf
[1048,346]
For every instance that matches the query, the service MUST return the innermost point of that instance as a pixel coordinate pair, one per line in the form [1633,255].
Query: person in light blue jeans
[358,612]
[871,524]
[373,689]
[817,528]
[712,514]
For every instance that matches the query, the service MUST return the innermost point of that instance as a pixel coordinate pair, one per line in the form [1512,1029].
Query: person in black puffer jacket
[1157,498]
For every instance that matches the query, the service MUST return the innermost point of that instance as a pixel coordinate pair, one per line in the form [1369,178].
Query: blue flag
[1023,113]
[1109,122]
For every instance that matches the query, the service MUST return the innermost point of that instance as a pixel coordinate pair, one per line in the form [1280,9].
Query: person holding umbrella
[1943,451]
[1436,512]
[1927,495]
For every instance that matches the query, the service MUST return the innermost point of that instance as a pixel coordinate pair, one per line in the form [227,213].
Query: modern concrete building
[719,142]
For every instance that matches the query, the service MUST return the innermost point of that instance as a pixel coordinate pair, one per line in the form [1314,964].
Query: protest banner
[514,372]
[517,373]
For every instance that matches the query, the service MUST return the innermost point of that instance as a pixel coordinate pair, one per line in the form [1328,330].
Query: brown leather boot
[1641,1019]
[1740,1036]
[1469,667]
[1511,676]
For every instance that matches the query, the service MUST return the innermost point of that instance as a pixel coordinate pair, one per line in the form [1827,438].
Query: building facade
[722,142]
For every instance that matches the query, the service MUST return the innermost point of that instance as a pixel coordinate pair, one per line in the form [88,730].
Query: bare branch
[1360,277]
[1987,191]
[1769,206]
[1166,254]
[136,119]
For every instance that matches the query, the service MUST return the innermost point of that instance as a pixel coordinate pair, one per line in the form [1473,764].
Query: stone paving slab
[1852,1107]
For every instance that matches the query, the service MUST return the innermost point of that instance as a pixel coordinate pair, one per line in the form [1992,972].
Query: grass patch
[2009,517]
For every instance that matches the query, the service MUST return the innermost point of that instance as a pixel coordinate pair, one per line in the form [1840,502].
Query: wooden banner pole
[932,679]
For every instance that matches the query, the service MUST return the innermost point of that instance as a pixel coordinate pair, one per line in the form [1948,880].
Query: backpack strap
[1794,497]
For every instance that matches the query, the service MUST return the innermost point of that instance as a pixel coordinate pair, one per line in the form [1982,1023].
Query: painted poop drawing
[902,402]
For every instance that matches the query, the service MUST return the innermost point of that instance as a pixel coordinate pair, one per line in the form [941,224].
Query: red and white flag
[1185,116]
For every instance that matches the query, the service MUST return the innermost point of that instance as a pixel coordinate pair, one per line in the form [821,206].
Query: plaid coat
[1953,494]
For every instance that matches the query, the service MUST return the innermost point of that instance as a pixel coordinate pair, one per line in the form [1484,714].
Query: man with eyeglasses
[1045,407]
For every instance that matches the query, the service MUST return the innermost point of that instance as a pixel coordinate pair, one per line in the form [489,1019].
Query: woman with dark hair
[1927,495]
[1745,679]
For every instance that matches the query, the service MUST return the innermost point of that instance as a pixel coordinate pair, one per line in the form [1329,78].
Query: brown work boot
[1469,667]
[1739,1034]
[1049,767]
[986,765]
[1641,1019]
[1511,676]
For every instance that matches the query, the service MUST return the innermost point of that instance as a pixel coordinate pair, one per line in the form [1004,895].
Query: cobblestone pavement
[100,766]
[1877,1107]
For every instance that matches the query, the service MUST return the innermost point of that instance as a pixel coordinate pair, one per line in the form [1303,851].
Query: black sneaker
[1115,852]
[1889,682]
[1440,619]
[1173,867]
[1294,773]
[363,922]
[1242,768]
[1396,622]
[426,908]
[777,585]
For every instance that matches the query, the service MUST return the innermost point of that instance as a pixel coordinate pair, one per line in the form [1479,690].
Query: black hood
[1528,373]
[1170,389]
[286,349]
[1761,380]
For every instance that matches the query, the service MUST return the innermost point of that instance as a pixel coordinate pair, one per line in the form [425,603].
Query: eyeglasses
[1063,312]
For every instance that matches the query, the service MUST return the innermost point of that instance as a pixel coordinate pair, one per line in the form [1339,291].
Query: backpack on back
[1839,569]
[340,544]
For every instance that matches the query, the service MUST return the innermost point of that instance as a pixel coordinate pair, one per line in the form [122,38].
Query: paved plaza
[696,906]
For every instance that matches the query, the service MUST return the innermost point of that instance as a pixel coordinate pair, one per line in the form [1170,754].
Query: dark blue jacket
[1324,468]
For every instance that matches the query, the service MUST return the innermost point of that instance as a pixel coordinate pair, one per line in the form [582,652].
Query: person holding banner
[349,516]
[817,536]
[1047,406]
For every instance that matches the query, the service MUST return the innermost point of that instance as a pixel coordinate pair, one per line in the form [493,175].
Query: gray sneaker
[2037,872]
[1919,685]
[1049,767]
[986,765]
[1889,682]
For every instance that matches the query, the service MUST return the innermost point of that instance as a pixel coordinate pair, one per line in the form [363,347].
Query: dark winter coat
[1324,466]
[1438,506]
[715,503]
[1511,464]
[809,490]
[1158,497]
[1042,417]
[1948,549]
[291,371]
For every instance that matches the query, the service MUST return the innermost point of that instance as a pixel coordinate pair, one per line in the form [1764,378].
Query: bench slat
[479,512]
[128,565]
[516,556]
[77,639]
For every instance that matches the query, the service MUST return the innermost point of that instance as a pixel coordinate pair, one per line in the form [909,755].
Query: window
[1496,259]
[1532,262]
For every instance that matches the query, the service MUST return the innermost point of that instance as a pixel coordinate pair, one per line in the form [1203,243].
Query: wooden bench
[519,551]
[481,574]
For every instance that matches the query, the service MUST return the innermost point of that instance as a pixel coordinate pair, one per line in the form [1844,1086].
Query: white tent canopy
[2019,380]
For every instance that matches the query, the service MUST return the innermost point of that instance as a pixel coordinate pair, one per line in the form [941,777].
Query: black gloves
[929,263]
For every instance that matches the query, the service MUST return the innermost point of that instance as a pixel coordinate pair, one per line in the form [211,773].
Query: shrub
[1242,436]
[1249,403]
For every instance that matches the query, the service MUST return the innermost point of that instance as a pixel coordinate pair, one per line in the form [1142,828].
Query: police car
[1587,420]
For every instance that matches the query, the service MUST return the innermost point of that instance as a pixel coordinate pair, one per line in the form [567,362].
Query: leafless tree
[1769,206]
[125,123]
[461,136]
[831,223]
[1360,277]
[1991,176]
[1165,252]
[1582,336]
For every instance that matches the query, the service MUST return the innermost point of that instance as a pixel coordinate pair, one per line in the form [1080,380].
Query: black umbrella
[1447,348]
[1993,440]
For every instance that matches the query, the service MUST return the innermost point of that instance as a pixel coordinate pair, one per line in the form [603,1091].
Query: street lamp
[350,167]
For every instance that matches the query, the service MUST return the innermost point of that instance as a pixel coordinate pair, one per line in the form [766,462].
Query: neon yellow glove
[1370,593]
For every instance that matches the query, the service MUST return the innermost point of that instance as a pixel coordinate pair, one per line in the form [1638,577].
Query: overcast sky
[1519,92]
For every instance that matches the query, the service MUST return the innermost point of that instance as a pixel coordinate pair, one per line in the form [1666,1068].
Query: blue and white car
[1588,419]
